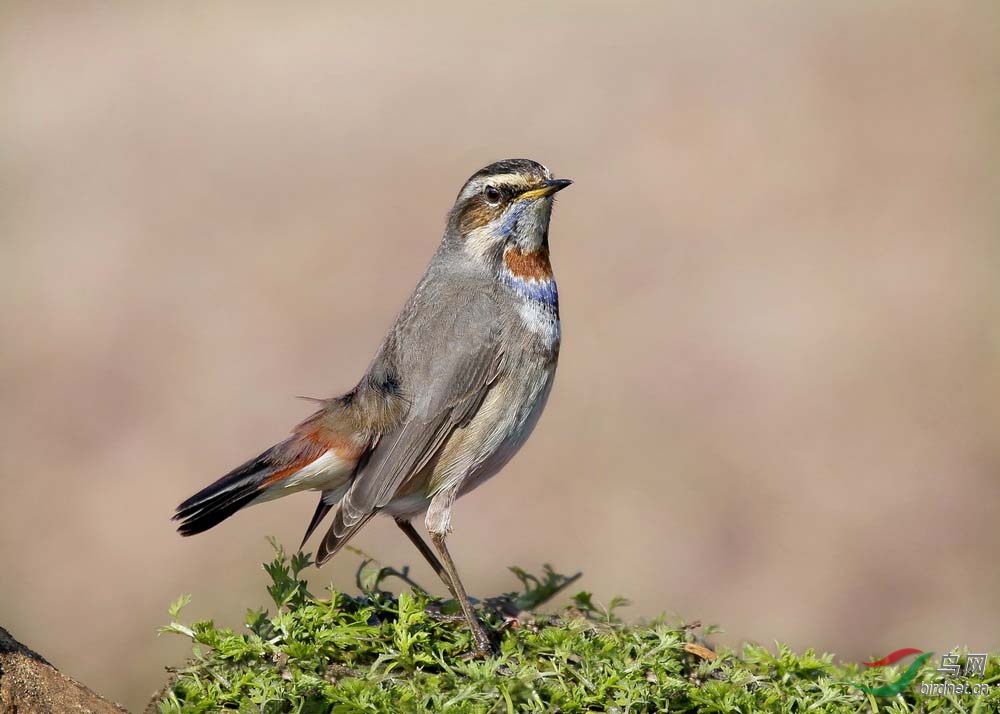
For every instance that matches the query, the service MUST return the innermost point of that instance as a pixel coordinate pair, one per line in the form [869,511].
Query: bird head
[505,207]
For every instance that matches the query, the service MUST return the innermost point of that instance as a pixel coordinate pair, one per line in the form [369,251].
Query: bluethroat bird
[454,390]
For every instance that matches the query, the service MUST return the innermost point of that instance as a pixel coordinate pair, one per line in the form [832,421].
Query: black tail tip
[198,516]
[188,529]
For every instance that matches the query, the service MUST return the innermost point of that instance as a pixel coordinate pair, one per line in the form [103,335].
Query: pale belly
[483,447]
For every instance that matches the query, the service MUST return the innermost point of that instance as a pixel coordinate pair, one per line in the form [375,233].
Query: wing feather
[446,400]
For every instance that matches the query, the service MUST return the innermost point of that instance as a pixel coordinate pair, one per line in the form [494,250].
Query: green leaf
[371,651]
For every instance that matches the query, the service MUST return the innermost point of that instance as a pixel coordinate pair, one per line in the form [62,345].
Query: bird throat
[530,275]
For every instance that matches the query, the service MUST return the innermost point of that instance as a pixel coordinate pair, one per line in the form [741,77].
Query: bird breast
[509,415]
[482,447]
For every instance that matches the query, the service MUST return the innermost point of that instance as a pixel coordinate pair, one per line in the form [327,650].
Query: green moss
[379,653]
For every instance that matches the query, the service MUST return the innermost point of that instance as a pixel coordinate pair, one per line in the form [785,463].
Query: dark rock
[30,685]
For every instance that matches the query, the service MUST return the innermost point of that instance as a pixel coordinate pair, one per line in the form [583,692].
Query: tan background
[778,402]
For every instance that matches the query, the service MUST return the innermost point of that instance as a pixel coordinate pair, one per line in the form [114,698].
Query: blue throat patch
[511,219]
[543,291]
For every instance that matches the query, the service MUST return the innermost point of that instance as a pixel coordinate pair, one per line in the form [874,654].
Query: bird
[453,391]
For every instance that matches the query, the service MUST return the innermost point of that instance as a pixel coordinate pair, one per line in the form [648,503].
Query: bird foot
[484,649]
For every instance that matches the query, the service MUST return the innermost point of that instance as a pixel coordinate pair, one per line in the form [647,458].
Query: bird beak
[550,187]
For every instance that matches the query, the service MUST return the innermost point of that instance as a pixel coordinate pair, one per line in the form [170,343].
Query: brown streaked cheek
[475,215]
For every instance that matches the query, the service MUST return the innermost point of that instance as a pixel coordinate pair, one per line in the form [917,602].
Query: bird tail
[260,478]
[218,501]
[322,508]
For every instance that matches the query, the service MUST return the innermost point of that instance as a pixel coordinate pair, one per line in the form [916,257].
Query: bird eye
[492,194]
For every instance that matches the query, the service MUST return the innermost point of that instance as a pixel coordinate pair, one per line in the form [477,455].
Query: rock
[30,685]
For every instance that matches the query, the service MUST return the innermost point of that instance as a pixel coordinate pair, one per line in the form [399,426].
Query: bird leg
[438,523]
[484,647]
[425,550]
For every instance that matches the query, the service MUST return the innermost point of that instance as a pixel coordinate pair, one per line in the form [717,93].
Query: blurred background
[778,398]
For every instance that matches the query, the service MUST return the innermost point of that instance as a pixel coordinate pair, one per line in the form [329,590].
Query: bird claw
[484,644]
[484,647]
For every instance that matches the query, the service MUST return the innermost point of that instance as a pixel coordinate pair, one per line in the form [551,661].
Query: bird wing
[459,372]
